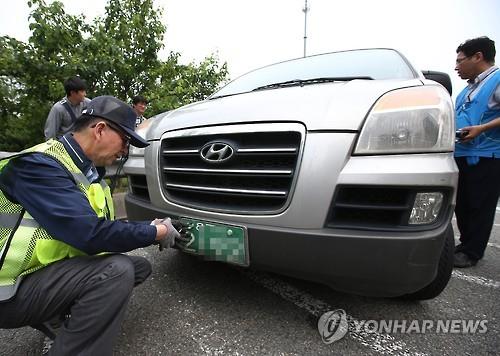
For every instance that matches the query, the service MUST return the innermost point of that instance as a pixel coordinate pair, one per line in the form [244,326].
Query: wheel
[445,268]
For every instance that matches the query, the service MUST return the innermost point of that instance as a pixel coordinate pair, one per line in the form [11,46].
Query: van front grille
[237,169]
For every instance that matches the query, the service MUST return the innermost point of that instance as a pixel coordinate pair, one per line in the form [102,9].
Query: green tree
[117,54]
[32,73]
[179,85]
[123,49]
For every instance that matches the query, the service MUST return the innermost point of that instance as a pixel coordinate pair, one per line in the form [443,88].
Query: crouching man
[60,247]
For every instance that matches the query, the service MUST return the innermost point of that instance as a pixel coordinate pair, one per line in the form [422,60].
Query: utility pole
[305,10]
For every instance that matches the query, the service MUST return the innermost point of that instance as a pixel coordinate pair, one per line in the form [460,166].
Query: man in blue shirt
[478,151]
[94,288]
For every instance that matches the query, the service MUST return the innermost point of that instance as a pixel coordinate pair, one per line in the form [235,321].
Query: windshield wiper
[301,82]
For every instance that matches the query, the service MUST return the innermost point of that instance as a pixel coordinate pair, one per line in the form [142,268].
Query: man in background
[65,112]
[478,152]
[139,104]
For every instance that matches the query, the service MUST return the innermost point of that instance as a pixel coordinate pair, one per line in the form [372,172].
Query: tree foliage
[179,84]
[126,41]
[116,54]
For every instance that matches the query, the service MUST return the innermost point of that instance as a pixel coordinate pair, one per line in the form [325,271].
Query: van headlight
[409,120]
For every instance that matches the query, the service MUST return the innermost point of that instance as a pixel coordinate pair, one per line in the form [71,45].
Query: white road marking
[485,282]
[384,344]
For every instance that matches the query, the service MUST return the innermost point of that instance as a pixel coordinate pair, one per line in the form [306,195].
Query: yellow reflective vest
[25,246]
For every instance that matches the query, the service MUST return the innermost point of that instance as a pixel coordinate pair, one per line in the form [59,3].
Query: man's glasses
[125,138]
[460,60]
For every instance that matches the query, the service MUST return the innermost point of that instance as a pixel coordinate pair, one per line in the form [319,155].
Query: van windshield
[369,64]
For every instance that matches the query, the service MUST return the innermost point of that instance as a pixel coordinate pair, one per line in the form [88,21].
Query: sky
[248,34]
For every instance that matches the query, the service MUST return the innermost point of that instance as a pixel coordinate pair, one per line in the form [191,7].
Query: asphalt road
[192,307]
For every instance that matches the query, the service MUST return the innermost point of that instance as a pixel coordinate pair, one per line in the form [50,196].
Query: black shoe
[462,260]
[47,345]
[51,328]
[459,248]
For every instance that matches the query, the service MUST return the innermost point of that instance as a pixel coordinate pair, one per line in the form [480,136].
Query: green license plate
[216,242]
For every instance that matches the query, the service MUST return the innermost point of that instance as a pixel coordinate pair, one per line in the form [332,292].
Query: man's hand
[166,238]
[184,234]
[472,132]
[180,226]
[476,130]
[179,233]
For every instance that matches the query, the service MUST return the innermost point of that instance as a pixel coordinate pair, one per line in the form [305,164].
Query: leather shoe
[462,260]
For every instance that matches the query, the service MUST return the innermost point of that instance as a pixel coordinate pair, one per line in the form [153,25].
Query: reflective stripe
[9,221]
[9,291]
[80,178]
[27,222]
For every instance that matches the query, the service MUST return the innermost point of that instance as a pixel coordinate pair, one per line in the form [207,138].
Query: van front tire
[445,268]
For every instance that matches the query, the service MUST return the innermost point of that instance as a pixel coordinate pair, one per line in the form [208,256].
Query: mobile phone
[460,134]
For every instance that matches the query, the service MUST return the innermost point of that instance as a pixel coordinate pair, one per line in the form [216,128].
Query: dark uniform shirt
[46,191]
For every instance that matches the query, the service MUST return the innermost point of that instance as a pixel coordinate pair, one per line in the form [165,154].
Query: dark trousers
[477,197]
[94,289]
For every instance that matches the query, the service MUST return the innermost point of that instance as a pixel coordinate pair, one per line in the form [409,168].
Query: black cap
[116,111]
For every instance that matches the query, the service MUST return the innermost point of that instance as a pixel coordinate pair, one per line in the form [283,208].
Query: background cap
[113,109]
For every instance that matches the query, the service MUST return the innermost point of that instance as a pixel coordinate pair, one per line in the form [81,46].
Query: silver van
[336,168]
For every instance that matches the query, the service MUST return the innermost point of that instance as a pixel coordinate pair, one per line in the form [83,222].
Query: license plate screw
[229,232]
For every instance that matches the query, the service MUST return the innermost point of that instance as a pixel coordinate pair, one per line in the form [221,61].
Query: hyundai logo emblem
[216,152]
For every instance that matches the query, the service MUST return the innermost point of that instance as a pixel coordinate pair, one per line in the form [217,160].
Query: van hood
[326,106]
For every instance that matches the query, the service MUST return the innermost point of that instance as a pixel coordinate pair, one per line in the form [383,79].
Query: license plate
[216,242]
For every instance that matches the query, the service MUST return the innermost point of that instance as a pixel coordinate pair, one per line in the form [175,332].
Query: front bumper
[372,263]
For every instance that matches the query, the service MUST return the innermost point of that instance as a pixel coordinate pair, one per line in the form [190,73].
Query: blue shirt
[45,189]
[473,108]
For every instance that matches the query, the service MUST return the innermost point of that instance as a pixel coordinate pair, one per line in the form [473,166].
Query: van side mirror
[440,77]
